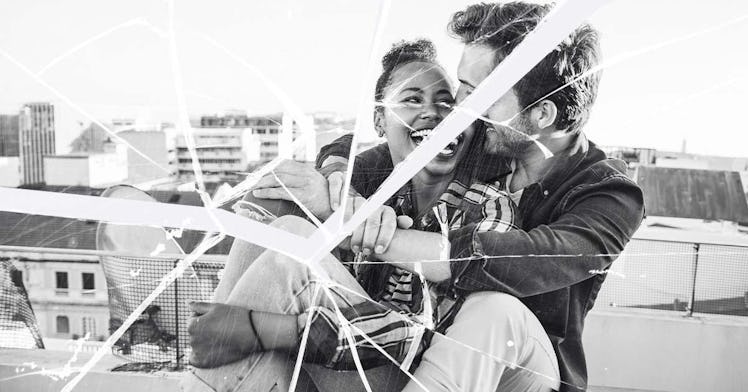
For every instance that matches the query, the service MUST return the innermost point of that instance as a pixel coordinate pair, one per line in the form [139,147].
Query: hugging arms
[524,229]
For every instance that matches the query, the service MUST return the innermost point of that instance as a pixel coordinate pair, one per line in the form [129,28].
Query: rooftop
[622,357]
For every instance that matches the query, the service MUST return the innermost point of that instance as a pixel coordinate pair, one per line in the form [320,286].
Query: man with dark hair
[577,208]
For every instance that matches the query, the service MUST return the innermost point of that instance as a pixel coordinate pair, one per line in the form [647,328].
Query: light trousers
[494,344]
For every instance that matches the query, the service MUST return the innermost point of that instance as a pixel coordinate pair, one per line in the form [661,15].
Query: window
[61,283]
[63,324]
[89,326]
[87,281]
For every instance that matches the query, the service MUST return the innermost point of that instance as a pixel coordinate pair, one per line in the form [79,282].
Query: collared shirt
[392,318]
[575,220]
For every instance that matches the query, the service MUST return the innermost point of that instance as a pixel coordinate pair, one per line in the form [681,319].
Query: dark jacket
[575,221]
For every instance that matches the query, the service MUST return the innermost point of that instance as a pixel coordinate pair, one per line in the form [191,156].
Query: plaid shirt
[393,318]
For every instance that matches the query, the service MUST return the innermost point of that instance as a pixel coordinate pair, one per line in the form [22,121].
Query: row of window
[204,150]
[264,131]
[210,160]
[223,173]
[88,281]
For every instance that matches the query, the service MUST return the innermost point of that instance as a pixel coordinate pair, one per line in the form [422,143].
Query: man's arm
[409,246]
[597,222]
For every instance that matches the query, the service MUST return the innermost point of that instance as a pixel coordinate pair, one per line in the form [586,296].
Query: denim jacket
[574,223]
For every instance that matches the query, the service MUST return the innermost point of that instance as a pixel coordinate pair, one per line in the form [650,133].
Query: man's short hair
[503,26]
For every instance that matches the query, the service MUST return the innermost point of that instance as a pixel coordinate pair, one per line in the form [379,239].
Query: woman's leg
[273,283]
[241,256]
[501,326]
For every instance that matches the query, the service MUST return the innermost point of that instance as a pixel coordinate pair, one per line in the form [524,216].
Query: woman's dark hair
[401,53]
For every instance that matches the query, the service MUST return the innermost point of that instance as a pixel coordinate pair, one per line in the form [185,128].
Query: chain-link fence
[679,277]
[160,332]
[18,327]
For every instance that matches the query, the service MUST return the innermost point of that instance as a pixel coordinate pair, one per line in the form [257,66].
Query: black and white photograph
[373,196]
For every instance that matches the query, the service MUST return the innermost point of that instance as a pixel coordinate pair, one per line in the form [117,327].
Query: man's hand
[375,234]
[335,187]
[220,334]
[308,186]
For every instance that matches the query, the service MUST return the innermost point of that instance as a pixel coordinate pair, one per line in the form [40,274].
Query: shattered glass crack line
[564,17]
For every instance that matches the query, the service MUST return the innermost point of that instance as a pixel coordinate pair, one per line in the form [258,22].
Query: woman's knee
[294,224]
[279,265]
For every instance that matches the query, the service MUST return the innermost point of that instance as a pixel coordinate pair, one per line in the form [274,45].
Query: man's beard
[508,141]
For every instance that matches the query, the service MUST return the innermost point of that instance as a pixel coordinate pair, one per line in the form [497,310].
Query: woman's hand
[375,234]
[307,185]
[221,333]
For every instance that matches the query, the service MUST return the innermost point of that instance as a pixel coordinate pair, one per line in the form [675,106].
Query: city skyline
[669,80]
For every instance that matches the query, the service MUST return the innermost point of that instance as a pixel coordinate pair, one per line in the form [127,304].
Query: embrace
[509,221]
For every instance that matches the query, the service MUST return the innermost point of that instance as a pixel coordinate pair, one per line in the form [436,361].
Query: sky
[678,70]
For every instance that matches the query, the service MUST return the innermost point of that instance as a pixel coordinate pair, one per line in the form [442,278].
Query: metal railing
[667,276]
[686,277]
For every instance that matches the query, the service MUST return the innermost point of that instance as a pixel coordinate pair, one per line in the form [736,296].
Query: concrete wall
[95,170]
[10,171]
[649,351]
[108,169]
[158,146]
[66,170]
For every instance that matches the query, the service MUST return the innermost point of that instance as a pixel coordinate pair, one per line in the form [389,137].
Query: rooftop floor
[627,351]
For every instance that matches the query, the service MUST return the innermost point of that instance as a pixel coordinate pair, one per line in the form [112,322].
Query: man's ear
[379,122]
[544,114]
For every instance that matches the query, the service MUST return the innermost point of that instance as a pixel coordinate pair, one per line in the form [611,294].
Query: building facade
[67,292]
[267,133]
[28,136]
[95,170]
[9,135]
[36,139]
[159,146]
[223,153]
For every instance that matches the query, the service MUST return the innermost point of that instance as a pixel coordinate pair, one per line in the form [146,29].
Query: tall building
[36,128]
[9,136]
[10,164]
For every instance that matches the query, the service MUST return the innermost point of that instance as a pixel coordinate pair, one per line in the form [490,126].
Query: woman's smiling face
[416,99]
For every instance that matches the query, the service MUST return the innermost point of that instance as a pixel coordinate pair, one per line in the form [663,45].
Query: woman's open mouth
[418,136]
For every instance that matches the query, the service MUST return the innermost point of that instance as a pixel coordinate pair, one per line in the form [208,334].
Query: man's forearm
[409,246]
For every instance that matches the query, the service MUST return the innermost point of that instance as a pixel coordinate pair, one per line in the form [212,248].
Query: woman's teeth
[421,135]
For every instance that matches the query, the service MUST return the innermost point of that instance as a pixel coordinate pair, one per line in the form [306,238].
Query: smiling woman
[415,94]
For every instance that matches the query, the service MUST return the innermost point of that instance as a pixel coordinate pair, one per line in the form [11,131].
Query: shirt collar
[564,163]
